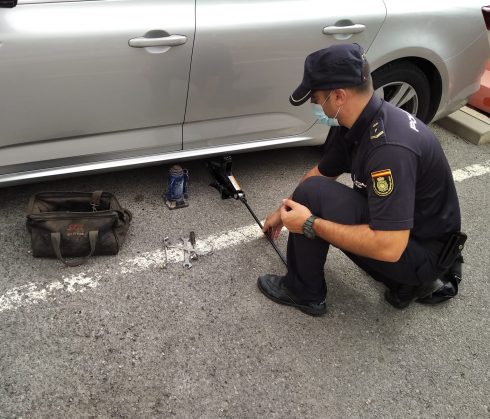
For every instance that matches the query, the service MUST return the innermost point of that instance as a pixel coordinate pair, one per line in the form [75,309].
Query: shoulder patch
[377,129]
[382,182]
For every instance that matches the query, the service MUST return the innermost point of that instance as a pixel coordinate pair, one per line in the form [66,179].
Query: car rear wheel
[404,85]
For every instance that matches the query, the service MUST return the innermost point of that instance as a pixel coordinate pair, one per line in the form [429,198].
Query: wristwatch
[308,227]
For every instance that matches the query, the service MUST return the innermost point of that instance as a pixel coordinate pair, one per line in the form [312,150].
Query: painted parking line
[34,293]
[471,171]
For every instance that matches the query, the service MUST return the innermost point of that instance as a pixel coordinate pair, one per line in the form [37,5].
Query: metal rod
[244,200]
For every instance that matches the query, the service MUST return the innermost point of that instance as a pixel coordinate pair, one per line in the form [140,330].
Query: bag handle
[30,205]
[95,201]
[56,241]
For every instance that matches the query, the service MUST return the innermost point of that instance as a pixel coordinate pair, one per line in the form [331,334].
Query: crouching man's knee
[332,200]
[312,190]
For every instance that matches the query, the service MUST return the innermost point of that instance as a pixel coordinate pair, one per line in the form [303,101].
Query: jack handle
[242,198]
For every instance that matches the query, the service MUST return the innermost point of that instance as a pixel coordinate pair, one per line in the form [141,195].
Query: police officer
[401,211]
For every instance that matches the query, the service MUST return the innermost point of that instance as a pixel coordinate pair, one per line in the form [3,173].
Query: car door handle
[166,41]
[343,30]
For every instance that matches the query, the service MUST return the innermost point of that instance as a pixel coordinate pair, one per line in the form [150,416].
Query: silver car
[103,84]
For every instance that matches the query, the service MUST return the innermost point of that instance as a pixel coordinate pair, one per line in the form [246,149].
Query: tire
[404,85]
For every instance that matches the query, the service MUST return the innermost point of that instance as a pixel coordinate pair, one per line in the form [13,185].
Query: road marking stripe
[33,293]
[215,242]
[471,171]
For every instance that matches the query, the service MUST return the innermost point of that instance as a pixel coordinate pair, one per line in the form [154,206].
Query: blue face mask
[322,118]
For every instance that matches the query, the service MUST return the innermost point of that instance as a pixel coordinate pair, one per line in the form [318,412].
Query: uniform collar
[362,124]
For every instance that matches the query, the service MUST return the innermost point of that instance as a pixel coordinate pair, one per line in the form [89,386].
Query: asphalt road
[122,337]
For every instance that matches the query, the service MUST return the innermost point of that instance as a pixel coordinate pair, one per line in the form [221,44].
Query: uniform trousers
[333,201]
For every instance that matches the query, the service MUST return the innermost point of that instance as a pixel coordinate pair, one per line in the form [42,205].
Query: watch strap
[308,227]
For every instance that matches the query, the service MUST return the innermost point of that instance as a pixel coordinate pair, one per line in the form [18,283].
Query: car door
[249,56]
[84,81]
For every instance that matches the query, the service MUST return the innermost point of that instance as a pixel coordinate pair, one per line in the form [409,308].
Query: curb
[468,124]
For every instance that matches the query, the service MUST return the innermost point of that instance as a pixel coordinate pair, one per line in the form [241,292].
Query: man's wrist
[308,230]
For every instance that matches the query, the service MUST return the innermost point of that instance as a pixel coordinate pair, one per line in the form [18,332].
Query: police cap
[335,67]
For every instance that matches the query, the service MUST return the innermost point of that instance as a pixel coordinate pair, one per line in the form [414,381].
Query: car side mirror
[8,3]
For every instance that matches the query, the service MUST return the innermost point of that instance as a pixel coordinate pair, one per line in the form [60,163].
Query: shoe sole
[430,299]
[303,309]
[417,298]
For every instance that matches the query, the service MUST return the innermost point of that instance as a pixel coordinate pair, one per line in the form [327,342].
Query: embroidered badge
[382,182]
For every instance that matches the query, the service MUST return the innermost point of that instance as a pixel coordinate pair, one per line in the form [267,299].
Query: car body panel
[68,73]
[450,35]
[78,98]
[249,56]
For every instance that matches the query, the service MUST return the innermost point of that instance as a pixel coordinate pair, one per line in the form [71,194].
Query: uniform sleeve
[392,177]
[335,159]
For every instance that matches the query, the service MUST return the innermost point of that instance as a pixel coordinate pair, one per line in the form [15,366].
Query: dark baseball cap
[335,67]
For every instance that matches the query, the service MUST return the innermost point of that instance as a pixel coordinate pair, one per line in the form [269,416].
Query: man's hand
[273,225]
[294,215]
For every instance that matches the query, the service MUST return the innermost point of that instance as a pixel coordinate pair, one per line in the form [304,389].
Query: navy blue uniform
[402,181]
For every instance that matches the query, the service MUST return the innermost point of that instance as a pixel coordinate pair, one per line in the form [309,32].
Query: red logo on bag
[75,230]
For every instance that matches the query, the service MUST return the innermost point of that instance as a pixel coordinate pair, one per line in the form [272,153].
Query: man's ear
[340,96]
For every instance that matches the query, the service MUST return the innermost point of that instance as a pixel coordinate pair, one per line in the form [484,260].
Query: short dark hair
[367,85]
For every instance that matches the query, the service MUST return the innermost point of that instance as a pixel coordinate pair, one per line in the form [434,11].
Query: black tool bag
[76,225]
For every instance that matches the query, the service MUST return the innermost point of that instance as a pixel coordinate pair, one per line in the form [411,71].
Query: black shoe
[272,286]
[447,291]
[405,294]
[450,286]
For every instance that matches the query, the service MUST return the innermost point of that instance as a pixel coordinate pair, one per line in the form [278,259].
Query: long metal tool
[227,185]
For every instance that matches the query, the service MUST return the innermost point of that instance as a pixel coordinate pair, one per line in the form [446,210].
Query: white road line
[33,293]
[231,238]
[471,171]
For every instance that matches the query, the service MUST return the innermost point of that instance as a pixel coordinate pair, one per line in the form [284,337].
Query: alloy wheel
[400,94]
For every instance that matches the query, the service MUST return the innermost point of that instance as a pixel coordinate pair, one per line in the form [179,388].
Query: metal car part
[400,94]
[187,253]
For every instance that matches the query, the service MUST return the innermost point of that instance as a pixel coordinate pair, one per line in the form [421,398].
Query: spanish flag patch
[382,182]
